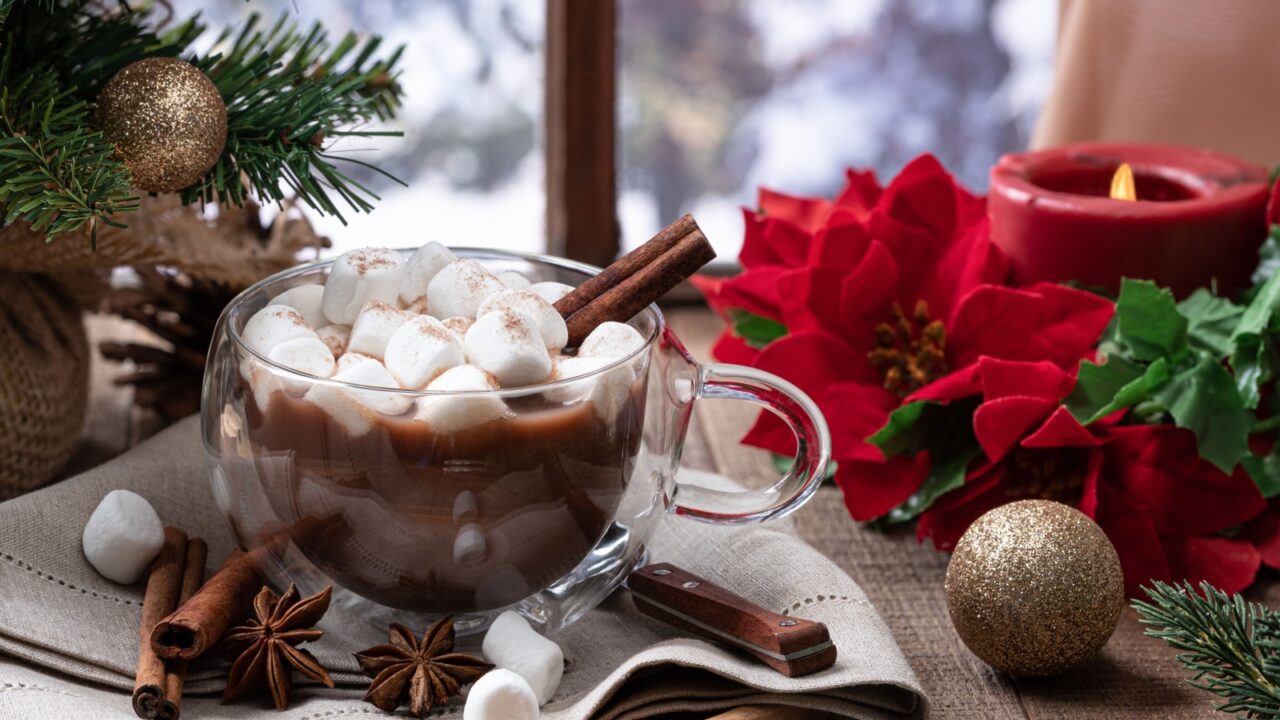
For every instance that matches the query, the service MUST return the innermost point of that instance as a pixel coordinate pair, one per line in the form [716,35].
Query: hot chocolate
[434,521]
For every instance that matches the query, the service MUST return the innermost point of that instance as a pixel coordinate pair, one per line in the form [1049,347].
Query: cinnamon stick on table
[163,585]
[176,670]
[636,279]
[201,621]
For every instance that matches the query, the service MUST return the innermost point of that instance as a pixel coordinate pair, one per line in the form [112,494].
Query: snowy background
[717,97]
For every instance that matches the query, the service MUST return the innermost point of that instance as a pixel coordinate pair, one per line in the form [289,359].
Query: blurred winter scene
[716,97]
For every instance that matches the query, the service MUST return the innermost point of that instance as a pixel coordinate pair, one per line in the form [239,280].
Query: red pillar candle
[1198,220]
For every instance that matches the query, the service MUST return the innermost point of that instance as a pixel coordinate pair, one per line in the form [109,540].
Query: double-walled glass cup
[537,498]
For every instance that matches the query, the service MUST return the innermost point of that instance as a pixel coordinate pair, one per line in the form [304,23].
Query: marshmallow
[469,545]
[421,349]
[466,506]
[555,335]
[550,291]
[467,408]
[458,326]
[374,326]
[417,307]
[122,537]
[459,288]
[513,279]
[422,266]
[308,355]
[611,340]
[512,645]
[306,300]
[608,390]
[349,405]
[273,325]
[336,337]
[506,343]
[500,695]
[360,277]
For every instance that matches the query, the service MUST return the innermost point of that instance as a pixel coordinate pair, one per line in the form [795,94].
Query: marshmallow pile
[432,322]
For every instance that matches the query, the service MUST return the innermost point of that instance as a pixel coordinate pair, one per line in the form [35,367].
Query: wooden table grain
[1134,677]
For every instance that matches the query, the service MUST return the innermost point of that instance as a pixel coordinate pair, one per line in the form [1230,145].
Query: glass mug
[419,503]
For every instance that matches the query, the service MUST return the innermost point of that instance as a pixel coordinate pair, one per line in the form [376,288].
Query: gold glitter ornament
[1034,588]
[167,120]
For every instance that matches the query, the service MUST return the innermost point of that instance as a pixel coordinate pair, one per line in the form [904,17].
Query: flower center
[1047,474]
[910,351]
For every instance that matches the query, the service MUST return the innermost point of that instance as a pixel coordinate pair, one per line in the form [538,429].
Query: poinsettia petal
[1002,378]
[861,192]
[947,519]
[856,411]
[1229,564]
[1264,532]
[968,260]
[732,349]
[999,424]
[1061,430]
[1069,324]
[770,433]
[755,291]
[815,361]
[709,286]
[840,245]
[872,488]
[922,195]
[810,298]
[962,383]
[772,241]
[994,321]
[1133,534]
[867,294]
[1159,466]
[808,213]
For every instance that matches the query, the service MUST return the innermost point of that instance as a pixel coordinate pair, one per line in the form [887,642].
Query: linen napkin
[68,637]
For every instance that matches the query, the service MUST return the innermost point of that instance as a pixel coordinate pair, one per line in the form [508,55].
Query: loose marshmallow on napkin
[68,637]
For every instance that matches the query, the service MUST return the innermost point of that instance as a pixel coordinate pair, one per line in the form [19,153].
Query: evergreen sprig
[289,94]
[1231,645]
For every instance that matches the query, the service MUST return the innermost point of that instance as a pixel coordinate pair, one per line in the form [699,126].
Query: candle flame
[1122,187]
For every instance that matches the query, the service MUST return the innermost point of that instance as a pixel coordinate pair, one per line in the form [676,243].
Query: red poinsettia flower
[888,295]
[1159,502]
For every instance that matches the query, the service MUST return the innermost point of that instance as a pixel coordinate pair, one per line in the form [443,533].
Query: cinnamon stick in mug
[638,278]
[164,581]
[202,620]
[176,670]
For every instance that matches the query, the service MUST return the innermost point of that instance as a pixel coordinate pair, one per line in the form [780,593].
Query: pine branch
[1232,646]
[287,95]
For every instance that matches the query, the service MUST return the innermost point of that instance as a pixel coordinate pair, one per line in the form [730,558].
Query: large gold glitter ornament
[1034,588]
[167,121]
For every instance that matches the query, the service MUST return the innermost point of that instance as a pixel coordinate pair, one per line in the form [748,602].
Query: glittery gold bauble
[167,121]
[1034,588]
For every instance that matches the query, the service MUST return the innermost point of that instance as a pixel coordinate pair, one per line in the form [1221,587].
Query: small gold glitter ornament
[1034,588]
[167,120]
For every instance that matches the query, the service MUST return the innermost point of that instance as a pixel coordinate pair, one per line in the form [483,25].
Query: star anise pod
[424,673]
[263,648]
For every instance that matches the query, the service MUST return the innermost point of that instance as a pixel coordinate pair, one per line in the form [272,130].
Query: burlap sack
[44,376]
[44,284]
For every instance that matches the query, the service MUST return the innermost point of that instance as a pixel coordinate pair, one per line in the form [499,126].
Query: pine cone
[181,312]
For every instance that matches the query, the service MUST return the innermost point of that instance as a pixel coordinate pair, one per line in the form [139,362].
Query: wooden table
[1135,676]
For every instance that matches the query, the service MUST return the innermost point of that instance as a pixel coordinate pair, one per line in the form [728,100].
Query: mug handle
[813,449]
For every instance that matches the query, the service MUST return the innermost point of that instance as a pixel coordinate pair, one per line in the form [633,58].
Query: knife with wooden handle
[793,646]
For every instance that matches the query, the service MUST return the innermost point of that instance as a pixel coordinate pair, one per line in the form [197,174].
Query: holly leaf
[1252,358]
[756,330]
[1118,383]
[1268,257]
[1210,322]
[944,477]
[1265,471]
[898,436]
[1149,323]
[1203,399]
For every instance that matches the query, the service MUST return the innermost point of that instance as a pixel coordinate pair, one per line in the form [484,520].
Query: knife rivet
[788,623]
[661,571]
[690,584]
